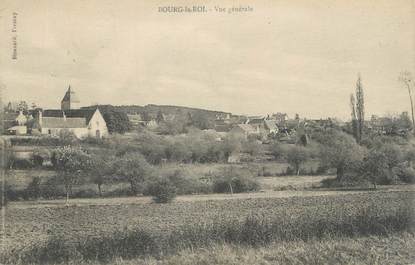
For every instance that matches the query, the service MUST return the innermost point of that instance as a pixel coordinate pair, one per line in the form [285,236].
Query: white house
[82,122]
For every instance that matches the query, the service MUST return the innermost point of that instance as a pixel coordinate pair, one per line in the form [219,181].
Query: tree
[201,120]
[406,78]
[22,106]
[409,156]
[339,150]
[71,163]
[133,168]
[296,156]
[162,190]
[39,156]
[234,180]
[33,189]
[380,162]
[277,150]
[67,137]
[231,144]
[160,117]
[393,156]
[404,122]
[374,166]
[355,129]
[6,162]
[252,147]
[145,116]
[360,108]
[102,168]
[117,121]
[304,139]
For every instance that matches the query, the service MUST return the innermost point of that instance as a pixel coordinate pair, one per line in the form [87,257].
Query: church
[82,122]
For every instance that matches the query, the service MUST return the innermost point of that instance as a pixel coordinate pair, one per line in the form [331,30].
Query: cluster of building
[89,122]
[81,122]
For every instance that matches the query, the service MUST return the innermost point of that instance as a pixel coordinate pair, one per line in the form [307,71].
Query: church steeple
[70,100]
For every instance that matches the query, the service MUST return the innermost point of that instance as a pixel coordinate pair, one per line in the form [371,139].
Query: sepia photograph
[207,132]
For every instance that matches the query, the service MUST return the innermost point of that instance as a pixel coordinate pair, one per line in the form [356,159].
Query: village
[207,133]
[21,120]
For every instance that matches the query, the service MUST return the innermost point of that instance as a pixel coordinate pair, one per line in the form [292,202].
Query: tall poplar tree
[354,118]
[360,108]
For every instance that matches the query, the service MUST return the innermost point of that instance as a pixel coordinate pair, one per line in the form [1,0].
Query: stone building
[82,122]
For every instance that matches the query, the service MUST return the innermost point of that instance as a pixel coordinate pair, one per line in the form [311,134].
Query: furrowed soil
[26,226]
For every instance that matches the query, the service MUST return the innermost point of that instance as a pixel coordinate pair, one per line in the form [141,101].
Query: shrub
[126,244]
[339,150]
[88,193]
[11,194]
[234,181]
[93,140]
[406,174]
[37,160]
[22,164]
[37,141]
[51,189]
[54,250]
[162,190]
[186,185]
[252,147]
[134,169]
[33,190]
[118,192]
[277,150]
[296,156]
[289,171]
[39,156]
[3,198]
[66,137]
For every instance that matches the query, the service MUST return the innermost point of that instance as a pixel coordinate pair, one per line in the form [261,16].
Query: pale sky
[293,56]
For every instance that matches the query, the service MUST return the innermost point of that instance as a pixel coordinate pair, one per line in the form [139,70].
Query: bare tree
[406,78]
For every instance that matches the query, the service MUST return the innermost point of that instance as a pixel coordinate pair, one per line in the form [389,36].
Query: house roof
[256,121]
[223,127]
[10,116]
[75,113]
[56,122]
[246,127]
[15,128]
[271,124]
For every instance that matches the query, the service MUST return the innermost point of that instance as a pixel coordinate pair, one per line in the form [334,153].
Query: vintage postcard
[207,132]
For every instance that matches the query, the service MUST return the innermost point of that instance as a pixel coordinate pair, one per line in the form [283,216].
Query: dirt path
[203,197]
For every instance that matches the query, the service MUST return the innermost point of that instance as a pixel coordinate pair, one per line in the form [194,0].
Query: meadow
[270,176]
[396,249]
[59,233]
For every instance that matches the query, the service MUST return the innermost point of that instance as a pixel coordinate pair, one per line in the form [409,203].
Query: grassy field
[291,182]
[396,249]
[266,169]
[32,226]
[267,173]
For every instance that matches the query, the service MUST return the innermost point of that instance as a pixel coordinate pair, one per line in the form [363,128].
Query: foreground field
[26,227]
[397,249]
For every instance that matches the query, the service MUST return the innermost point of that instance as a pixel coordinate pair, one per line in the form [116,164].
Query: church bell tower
[70,100]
